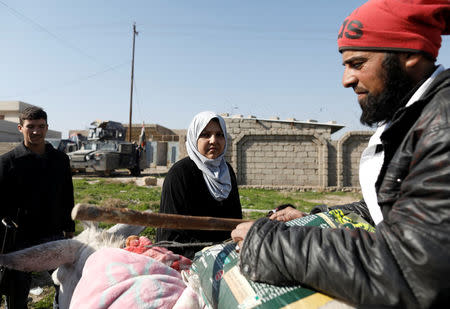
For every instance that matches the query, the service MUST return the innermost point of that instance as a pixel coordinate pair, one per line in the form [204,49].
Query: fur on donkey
[68,255]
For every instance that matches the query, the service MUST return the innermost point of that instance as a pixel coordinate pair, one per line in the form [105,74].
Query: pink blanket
[115,278]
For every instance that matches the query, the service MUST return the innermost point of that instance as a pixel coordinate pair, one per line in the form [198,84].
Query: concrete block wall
[349,150]
[267,153]
[332,163]
[278,160]
[278,153]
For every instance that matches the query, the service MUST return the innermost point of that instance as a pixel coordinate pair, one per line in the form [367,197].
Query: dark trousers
[16,286]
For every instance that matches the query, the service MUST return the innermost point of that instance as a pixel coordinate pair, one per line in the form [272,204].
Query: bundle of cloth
[137,276]
[142,245]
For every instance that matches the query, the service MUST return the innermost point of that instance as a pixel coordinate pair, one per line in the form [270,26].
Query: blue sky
[255,57]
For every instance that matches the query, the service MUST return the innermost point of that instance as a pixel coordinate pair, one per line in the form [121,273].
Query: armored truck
[64,145]
[106,150]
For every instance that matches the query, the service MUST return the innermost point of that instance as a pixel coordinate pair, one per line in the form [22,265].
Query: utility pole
[131,90]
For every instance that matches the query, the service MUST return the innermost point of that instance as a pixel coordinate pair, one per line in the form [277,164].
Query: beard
[380,108]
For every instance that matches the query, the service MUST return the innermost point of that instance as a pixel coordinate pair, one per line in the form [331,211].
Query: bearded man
[388,49]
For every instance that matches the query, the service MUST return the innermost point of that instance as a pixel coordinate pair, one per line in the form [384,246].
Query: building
[162,143]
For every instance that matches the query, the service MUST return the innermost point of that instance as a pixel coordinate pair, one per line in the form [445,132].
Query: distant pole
[131,90]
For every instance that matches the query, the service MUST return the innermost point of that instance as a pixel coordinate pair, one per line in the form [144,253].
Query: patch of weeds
[253,215]
[303,201]
[150,233]
[270,199]
[115,203]
[114,194]
[46,302]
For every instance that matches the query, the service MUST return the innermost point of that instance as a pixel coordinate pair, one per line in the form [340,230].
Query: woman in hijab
[202,184]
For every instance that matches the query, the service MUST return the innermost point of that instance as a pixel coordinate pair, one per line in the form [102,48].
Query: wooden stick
[123,215]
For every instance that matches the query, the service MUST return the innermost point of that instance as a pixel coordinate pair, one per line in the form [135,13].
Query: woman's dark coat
[185,192]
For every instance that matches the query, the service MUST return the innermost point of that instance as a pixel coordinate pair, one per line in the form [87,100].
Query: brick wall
[153,132]
[332,163]
[266,153]
[350,148]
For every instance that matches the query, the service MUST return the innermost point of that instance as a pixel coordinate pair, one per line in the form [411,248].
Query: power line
[235,28]
[78,80]
[63,42]
[48,32]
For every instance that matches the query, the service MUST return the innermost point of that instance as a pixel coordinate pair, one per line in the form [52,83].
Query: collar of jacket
[404,119]
[22,151]
[407,116]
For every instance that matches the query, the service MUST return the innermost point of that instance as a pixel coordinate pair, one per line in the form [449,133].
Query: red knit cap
[404,25]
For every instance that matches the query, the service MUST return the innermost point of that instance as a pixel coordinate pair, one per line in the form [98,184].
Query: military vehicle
[106,150]
[64,145]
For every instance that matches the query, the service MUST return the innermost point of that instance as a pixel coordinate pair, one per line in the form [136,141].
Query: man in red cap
[388,49]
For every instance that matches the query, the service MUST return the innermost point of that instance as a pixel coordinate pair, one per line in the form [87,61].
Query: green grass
[107,193]
[115,194]
[270,199]
[46,302]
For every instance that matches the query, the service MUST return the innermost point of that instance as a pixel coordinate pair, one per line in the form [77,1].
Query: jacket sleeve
[353,265]
[3,183]
[404,264]
[236,210]
[69,223]
[175,199]
[6,191]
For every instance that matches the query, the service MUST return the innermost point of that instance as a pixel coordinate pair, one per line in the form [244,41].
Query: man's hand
[239,233]
[287,214]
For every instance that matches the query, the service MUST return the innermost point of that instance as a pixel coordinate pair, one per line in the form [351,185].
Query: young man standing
[37,194]
[388,49]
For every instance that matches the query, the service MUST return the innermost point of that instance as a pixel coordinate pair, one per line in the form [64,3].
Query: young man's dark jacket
[406,263]
[37,193]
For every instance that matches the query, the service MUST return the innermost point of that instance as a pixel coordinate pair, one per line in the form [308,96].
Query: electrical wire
[48,32]
[75,81]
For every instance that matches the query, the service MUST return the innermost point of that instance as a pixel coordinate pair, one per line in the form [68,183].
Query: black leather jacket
[406,263]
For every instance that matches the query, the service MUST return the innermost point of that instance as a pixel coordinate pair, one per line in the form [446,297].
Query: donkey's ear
[126,230]
[42,257]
